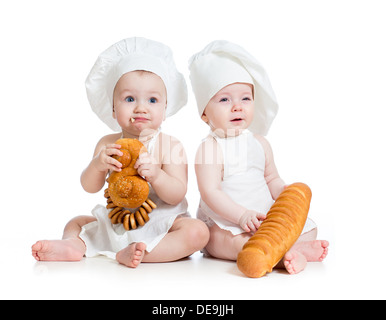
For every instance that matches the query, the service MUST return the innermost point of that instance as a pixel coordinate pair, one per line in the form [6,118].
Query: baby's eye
[247,99]
[129,99]
[224,100]
[153,100]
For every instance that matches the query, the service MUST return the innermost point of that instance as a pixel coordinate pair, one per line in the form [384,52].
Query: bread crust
[126,188]
[278,232]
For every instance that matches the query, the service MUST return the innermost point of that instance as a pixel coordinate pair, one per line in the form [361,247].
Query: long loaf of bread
[278,232]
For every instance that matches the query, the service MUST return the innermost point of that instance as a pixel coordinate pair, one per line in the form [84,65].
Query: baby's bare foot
[313,250]
[132,255]
[59,250]
[294,262]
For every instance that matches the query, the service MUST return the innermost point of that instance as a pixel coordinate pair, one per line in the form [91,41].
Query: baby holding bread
[236,173]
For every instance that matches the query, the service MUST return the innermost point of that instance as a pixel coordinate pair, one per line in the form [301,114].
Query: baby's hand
[147,167]
[250,221]
[105,161]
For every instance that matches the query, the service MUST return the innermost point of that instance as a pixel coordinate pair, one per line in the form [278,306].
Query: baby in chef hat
[235,168]
[132,87]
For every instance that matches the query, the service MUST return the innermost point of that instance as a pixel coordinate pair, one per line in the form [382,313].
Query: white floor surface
[192,278]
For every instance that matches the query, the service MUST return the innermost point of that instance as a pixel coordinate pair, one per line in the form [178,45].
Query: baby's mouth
[237,120]
[138,119]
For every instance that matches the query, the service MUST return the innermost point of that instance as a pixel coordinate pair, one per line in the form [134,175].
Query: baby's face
[231,109]
[139,101]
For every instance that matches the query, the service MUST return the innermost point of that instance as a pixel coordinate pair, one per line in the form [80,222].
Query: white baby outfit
[243,181]
[103,238]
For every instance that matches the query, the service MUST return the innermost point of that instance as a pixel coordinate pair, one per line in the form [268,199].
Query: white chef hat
[127,55]
[222,63]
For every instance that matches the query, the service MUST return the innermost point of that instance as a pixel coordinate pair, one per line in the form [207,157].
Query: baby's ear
[204,118]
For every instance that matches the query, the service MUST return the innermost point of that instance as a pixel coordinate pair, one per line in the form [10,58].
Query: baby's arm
[169,175]
[94,176]
[209,167]
[275,183]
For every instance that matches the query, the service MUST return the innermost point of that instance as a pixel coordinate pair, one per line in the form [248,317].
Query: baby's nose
[140,107]
[237,106]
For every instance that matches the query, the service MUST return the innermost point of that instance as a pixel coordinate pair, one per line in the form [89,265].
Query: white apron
[243,181]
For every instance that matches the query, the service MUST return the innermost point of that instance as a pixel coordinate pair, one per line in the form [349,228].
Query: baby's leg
[224,245]
[184,238]
[70,248]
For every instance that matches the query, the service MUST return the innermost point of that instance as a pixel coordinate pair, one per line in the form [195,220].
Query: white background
[326,62]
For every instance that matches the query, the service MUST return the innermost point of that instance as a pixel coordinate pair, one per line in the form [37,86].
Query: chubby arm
[275,184]
[93,177]
[209,167]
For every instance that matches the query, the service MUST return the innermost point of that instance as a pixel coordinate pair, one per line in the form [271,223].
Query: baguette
[278,232]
